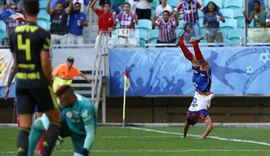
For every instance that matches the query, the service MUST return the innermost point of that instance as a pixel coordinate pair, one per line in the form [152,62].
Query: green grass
[116,141]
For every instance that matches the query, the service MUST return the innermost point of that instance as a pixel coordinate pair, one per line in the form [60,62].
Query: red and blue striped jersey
[166,30]
[190,11]
[126,20]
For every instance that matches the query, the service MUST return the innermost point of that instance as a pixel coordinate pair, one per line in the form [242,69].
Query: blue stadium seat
[44,15]
[238,13]
[233,4]
[241,22]
[173,3]
[236,36]
[43,4]
[203,32]
[155,3]
[224,34]
[217,2]
[201,14]
[229,24]
[144,24]
[181,24]
[43,23]
[227,13]
[3,26]
[143,33]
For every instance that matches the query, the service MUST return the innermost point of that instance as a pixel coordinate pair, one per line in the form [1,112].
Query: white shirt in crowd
[143,4]
[160,9]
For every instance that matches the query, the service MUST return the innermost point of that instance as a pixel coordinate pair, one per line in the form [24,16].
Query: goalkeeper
[79,121]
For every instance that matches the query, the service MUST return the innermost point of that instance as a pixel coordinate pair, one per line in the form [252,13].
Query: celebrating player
[79,121]
[30,46]
[202,82]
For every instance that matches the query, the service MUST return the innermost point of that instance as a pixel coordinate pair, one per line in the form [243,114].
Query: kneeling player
[202,82]
[79,121]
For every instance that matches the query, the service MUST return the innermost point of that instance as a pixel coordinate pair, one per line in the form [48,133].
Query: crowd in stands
[157,21]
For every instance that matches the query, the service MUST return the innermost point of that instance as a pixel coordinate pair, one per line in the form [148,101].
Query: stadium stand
[217,2]
[43,4]
[236,4]
[236,36]
[227,13]
[153,36]
[173,3]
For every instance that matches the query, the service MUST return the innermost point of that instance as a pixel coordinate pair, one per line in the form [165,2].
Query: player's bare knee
[54,115]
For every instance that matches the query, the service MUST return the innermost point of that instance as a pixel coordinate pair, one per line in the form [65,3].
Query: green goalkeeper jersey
[81,115]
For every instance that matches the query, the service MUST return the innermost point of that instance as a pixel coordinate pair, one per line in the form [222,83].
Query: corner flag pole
[126,86]
[124,103]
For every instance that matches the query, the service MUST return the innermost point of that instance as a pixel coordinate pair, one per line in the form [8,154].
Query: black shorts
[43,97]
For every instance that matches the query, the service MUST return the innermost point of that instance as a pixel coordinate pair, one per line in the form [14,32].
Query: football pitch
[162,141]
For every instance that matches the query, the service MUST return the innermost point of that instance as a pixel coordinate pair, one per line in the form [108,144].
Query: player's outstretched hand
[59,142]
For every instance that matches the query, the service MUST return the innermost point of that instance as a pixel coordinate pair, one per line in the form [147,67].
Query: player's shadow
[220,72]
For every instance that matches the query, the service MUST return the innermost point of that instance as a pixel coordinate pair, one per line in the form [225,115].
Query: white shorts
[200,102]
[59,39]
[74,39]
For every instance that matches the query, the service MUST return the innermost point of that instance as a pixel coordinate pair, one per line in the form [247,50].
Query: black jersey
[27,42]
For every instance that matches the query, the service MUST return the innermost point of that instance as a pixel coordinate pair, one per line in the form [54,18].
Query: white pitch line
[155,151]
[212,137]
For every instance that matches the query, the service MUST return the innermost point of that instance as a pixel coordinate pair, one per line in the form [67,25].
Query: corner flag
[126,87]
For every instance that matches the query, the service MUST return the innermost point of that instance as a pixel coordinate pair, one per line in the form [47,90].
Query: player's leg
[180,42]
[209,128]
[25,107]
[37,129]
[40,142]
[46,100]
[186,127]
[198,54]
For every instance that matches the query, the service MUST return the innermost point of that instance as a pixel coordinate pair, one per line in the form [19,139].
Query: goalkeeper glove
[59,142]
[85,152]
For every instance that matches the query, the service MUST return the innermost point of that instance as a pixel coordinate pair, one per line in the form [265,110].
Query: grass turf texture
[117,141]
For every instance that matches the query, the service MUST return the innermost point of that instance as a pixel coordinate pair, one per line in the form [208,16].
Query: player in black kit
[30,46]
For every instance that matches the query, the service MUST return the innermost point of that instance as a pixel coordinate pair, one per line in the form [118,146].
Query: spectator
[117,5]
[166,26]
[211,19]
[127,19]
[251,4]
[77,20]
[54,2]
[190,9]
[17,3]
[83,3]
[64,73]
[143,9]
[14,19]
[163,6]
[258,14]
[268,20]
[105,18]
[59,18]
[5,42]
[188,33]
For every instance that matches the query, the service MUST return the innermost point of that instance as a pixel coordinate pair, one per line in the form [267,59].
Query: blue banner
[165,71]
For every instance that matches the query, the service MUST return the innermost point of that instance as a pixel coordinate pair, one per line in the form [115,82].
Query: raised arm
[70,7]
[175,14]
[92,5]
[48,9]
[186,127]
[209,128]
